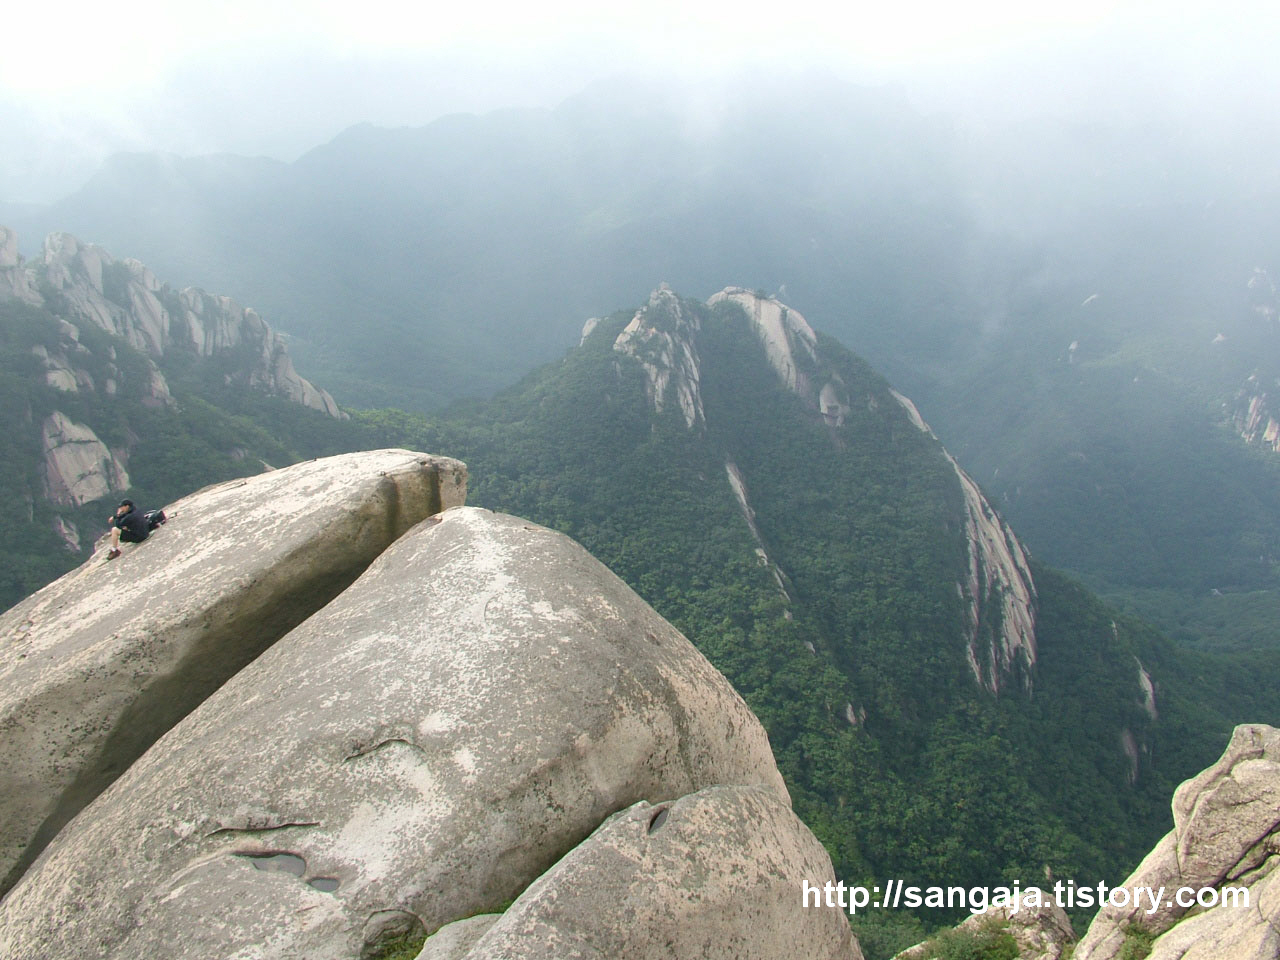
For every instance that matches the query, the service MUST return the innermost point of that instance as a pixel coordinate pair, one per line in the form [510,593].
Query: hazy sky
[80,80]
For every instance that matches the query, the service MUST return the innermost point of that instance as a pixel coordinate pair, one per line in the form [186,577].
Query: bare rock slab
[95,667]
[419,751]
[716,875]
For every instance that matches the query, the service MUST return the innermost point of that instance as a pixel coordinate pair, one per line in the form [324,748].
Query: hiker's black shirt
[134,527]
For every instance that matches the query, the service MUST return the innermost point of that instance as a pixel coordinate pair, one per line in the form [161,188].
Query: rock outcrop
[421,750]
[14,282]
[1226,836]
[716,874]
[662,337]
[99,664]
[78,467]
[1251,415]
[997,589]
[1042,930]
[215,325]
[125,299]
[999,593]
[792,348]
[67,363]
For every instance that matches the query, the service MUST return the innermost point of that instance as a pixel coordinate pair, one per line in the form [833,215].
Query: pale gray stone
[430,743]
[453,940]
[78,467]
[15,284]
[97,665]
[717,875]
[1226,833]
[1230,932]
[209,324]
[1042,930]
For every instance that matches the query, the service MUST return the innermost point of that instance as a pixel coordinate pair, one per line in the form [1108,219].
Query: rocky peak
[124,298]
[998,591]
[662,336]
[792,348]
[14,282]
[788,340]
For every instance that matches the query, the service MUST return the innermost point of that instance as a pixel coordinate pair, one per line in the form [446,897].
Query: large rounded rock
[717,875]
[99,664]
[1226,833]
[419,751]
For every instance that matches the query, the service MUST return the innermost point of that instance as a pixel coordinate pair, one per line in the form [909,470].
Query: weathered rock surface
[1226,833]
[788,340]
[420,750]
[14,282]
[662,337]
[1041,932]
[999,589]
[78,467]
[97,665]
[717,874]
[125,299]
[454,940]
[214,325]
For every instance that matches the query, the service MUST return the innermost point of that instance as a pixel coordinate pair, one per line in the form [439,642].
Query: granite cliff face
[484,700]
[997,589]
[999,586]
[122,297]
[78,467]
[91,348]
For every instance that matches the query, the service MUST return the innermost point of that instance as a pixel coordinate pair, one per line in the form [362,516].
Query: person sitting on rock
[132,525]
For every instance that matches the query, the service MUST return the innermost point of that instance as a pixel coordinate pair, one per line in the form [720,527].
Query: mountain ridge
[117,383]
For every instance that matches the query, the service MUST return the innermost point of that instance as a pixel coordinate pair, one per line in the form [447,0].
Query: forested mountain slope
[114,383]
[943,707]
[1084,313]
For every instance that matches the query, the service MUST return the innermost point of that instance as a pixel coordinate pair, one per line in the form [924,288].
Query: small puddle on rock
[289,863]
[293,865]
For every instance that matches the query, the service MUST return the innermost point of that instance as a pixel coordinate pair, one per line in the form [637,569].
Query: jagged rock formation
[662,337]
[14,282]
[712,875]
[78,467]
[1000,593]
[1226,834]
[421,750]
[124,298]
[99,664]
[791,346]
[1252,416]
[1041,932]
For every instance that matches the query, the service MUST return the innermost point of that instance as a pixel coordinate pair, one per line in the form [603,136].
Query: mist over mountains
[1080,309]
[939,702]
